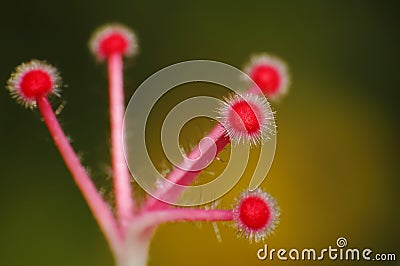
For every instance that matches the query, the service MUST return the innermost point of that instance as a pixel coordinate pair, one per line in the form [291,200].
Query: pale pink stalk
[186,177]
[121,176]
[157,217]
[142,228]
[99,208]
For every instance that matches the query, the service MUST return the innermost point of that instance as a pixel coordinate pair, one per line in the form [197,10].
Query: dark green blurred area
[336,168]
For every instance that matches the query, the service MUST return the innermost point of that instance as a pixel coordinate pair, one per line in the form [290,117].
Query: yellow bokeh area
[327,176]
[336,167]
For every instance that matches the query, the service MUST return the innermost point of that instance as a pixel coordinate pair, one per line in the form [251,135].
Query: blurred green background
[337,165]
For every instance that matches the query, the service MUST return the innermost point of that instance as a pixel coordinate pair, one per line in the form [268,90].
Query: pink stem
[141,229]
[122,184]
[97,205]
[185,177]
[154,218]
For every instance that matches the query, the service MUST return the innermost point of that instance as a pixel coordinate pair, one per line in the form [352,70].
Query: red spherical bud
[31,80]
[270,74]
[267,78]
[247,118]
[35,82]
[256,214]
[113,39]
[245,114]
[113,43]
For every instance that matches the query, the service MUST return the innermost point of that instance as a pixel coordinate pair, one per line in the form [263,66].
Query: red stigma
[36,83]
[244,116]
[254,213]
[267,78]
[113,43]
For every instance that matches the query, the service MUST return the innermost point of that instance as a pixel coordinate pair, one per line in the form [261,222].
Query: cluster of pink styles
[245,119]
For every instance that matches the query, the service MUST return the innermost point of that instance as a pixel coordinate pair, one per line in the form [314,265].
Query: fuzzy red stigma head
[256,215]
[35,83]
[31,80]
[267,78]
[113,39]
[269,74]
[254,212]
[247,118]
[113,43]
